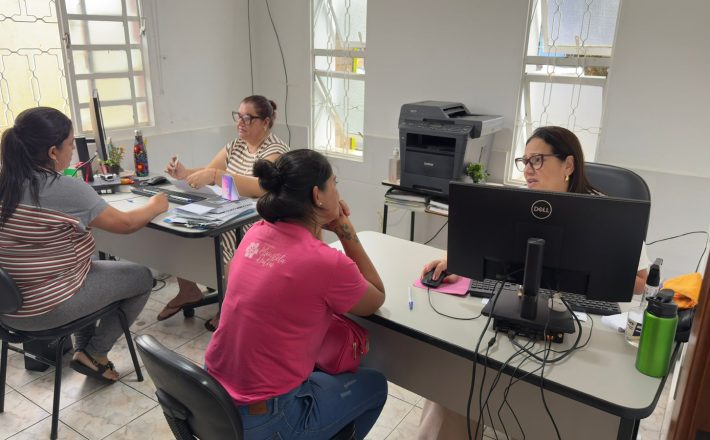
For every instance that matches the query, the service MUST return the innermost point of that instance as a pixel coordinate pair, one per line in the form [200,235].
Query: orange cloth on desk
[686,288]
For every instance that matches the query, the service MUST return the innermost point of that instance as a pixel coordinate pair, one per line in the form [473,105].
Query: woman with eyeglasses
[553,161]
[254,120]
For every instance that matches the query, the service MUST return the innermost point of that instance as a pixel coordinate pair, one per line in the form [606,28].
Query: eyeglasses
[246,119]
[535,161]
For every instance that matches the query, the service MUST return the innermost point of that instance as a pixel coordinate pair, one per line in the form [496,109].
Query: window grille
[55,53]
[338,100]
[569,51]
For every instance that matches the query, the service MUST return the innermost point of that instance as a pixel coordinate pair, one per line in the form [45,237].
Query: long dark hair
[265,108]
[565,143]
[25,153]
[289,185]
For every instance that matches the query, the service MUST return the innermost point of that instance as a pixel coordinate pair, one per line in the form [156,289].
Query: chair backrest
[616,181]
[187,392]
[10,295]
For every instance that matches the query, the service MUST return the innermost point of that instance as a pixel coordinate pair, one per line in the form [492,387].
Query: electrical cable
[437,232]
[542,393]
[479,422]
[475,354]
[428,292]
[251,62]
[283,61]
[705,248]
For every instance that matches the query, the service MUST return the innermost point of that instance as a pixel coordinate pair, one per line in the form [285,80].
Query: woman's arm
[247,186]
[126,222]
[199,176]
[374,296]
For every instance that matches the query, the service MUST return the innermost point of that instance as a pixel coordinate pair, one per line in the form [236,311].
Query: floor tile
[20,413]
[17,376]
[175,332]
[74,387]
[394,412]
[106,411]
[408,427]
[195,349]
[42,430]
[402,393]
[151,425]
[146,387]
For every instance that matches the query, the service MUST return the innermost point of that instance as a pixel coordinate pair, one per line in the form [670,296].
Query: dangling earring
[566,178]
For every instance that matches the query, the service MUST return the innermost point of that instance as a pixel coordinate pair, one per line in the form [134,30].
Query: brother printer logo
[541,209]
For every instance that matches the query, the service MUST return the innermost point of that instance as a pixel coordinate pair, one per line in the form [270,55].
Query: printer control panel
[446,128]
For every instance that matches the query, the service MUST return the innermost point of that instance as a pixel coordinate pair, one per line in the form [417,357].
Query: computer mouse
[429,282]
[156,180]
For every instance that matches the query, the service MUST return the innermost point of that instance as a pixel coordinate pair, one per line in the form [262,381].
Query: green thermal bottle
[657,334]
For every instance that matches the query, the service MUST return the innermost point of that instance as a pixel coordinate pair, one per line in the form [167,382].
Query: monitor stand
[525,312]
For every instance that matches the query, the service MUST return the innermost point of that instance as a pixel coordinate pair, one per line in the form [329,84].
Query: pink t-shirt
[283,286]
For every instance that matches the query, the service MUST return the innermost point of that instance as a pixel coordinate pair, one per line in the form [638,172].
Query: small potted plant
[113,162]
[477,172]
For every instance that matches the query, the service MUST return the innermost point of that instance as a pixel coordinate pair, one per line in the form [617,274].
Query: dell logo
[541,209]
[428,164]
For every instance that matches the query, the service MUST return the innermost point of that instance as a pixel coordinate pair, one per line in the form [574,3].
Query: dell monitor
[591,247]
[97,123]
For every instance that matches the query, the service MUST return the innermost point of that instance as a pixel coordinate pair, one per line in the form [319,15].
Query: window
[338,92]
[568,56]
[56,54]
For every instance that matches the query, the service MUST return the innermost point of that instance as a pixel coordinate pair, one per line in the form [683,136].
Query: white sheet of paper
[209,190]
[617,322]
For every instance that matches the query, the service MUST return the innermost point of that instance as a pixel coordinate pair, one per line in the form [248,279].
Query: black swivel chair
[193,402]
[10,302]
[616,181]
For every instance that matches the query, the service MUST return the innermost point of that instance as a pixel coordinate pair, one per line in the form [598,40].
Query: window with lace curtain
[338,91]
[55,53]
[569,52]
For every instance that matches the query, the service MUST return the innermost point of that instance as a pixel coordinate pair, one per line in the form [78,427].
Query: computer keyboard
[578,303]
[486,288]
[178,197]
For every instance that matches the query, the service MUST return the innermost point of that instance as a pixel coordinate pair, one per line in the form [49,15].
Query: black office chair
[10,302]
[194,403]
[616,181]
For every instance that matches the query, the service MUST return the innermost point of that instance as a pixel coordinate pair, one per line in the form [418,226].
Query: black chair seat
[10,302]
[193,402]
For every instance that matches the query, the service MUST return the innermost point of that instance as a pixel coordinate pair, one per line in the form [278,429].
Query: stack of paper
[438,207]
[211,212]
[405,199]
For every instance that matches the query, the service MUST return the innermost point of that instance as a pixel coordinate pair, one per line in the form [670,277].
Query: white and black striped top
[241,161]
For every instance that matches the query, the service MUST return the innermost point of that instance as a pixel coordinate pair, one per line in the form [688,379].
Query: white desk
[595,393]
[192,254]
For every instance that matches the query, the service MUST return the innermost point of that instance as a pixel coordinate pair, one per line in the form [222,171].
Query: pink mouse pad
[460,287]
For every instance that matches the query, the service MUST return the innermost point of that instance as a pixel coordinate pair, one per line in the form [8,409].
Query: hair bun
[273,105]
[270,177]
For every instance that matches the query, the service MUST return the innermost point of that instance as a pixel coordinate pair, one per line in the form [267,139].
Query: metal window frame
[63,18]
[592,57]
[317,85]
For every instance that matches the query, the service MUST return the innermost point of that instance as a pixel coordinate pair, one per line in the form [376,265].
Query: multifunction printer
[437,138]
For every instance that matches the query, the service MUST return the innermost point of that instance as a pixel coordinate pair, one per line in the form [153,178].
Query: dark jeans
[321,407]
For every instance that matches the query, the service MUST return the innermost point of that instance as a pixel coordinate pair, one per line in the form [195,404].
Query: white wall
[657,111]
[198,76]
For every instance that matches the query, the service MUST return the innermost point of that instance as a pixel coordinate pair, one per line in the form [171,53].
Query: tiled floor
[129,410]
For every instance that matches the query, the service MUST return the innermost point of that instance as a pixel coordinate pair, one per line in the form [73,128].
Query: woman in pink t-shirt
[284,285]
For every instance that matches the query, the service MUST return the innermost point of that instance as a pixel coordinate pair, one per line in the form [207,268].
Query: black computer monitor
[592,243]
[97,123]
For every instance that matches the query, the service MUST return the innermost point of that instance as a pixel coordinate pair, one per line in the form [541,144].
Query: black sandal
[208,324]
[88,371]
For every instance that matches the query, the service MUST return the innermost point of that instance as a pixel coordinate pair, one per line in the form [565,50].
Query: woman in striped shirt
[46,244]
[254,120]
